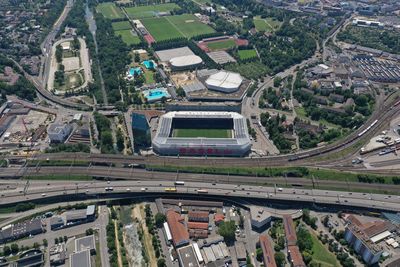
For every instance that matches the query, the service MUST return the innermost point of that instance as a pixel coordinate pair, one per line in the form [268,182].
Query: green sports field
[128,37]
[140,12]
[121,25]
[222,45]
[207,133]
[161,29]
[110,11]
[247,53]
[189,25]
[171,27]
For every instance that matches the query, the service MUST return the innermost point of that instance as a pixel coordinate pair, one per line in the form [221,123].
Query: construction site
[23,125]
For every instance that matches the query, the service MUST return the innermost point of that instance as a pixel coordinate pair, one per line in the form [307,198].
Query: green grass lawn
[121,25]
[322,255]
[110,11]
[222,45]
[150,10]
[189,25]
[208,133]
[267,24]
[149,76]
[247,53]
[250,70]
[128,37]
[161,29]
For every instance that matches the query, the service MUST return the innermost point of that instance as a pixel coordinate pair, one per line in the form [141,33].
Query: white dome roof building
[224,81]
[185,62]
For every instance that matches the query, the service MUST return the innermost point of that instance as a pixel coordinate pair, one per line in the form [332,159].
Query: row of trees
[113,56]
[105,136]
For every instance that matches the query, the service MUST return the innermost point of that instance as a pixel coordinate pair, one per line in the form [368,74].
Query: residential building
[268,251]
[364,236]
[260,218]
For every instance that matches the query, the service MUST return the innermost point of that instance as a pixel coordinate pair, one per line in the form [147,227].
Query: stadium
[197,133]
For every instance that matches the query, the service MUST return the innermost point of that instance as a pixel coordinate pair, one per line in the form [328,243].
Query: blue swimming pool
[149,64]
[137,71]
[156,94]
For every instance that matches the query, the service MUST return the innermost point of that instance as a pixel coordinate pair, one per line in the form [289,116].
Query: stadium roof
[237,145]
[183,61]
[225,80]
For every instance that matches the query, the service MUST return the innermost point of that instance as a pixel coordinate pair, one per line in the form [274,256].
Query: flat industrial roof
[380,236]
[80,259]
[188,257]
[168,54]
[85,243]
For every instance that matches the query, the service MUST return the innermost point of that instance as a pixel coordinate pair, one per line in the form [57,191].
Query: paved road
[101,224]
[45,189]
[145,175]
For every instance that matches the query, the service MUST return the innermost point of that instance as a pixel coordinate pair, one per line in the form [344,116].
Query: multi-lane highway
[134,174]
[39,190]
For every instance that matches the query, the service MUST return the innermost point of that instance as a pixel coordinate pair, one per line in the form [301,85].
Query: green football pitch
[121,25]
[207,133]
[171,27]
[220,45]
[110,11]
[128,37]
[149,11]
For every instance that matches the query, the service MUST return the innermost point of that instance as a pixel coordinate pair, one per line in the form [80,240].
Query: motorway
[106,173]
[39,190]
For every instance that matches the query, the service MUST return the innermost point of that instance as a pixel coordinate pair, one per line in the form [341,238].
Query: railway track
[106,173]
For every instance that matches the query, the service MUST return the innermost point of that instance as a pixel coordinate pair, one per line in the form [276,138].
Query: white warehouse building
[224,81]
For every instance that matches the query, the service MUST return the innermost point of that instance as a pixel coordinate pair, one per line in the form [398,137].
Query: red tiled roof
[289,230]
[295,256]
[268,252]
[219,217]
[376,228]
[198,225]
[353,220]
[180,235]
